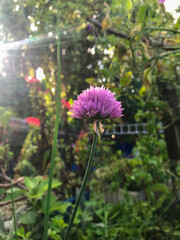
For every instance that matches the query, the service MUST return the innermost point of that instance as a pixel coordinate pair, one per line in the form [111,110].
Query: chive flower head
[96,103]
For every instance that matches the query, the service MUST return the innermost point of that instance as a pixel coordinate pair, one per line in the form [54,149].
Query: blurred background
[131,47]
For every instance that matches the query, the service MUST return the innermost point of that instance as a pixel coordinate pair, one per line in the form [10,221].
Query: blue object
[126,149]
[74,167]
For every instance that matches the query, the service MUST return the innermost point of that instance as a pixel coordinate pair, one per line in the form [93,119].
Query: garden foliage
[132,47]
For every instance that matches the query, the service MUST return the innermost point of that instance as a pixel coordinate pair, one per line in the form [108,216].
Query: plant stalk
[87,173]
[13,209]
[54,147]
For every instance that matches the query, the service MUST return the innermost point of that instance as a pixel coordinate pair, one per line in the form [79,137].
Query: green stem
[13,209]
[163,29]
[54,147]
[165,55]
[88,170]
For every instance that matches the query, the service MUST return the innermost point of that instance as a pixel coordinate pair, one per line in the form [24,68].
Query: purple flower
[96,103]
[162,1]
[89,27]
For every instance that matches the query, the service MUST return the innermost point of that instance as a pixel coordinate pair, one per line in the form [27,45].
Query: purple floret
[96,103]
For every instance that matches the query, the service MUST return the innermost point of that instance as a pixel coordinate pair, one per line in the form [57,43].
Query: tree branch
[7,179]
[151,42]
[109,30]
[15,182]
[2,196]
[10,201]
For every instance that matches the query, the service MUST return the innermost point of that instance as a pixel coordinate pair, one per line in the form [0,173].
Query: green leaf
[44,184]
[2,190]
[71,101]
[2,237]
[126,79]
[105,72]
[59,223]
[120,50]
[161,187]
[28,234]
[90,80]
[176,233]
[114,231]
[161,200]
[142,90]
[28,218]
[21,232]
[60,207]
[177,25]
[2,229]
[147,78]
[42,188]
[15,189]
[141,14]
[30,182]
